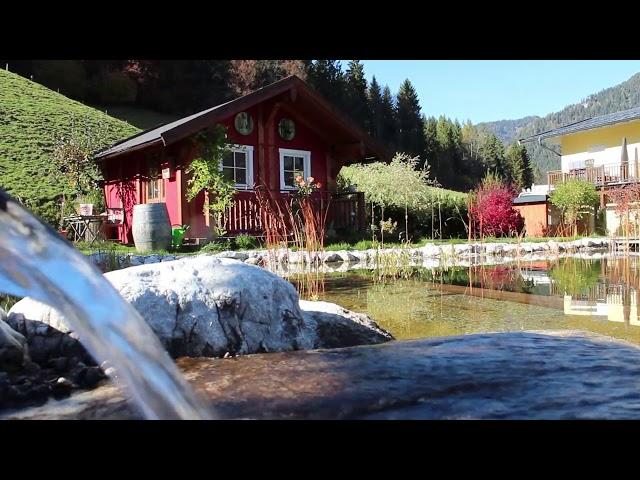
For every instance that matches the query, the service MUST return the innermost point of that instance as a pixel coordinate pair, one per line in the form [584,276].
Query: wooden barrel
[151,227]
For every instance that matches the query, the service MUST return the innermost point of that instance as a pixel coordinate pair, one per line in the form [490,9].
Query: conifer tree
[374,100]
[449,150]
[389,120]
[356,94]
[431,147]
[518,164]
[410,125]
[492,152]
[327,77]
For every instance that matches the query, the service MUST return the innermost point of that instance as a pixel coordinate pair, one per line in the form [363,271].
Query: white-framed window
[237,165]
[155,186]
[292,164]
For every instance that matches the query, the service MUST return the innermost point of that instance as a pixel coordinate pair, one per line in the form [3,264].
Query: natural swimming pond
[598,295]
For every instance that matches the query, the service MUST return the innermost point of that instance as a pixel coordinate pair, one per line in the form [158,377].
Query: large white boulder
[208,306]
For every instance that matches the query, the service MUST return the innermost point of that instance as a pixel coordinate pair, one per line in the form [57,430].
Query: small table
[86,227]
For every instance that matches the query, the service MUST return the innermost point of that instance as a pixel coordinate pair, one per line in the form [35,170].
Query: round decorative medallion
[287,129]
[244,123]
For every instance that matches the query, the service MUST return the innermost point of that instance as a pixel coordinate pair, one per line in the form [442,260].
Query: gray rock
[520,375]
[494,249]
[332,257]
[135,260]
[463,248]
[431,250]
[241,256]
[302,257]
[364,256]
[151,259]
[526,247]
[44,341]
[348,256]
[14,351]
[338,327]
[509,247]
[30,309]
[204,306]
[253,260]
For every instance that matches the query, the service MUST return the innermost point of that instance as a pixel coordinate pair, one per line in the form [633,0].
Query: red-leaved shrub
[492,212]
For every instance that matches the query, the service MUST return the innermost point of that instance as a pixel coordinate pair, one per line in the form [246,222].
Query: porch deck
[602,175]
[344,211]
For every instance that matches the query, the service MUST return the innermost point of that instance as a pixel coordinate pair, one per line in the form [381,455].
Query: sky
[487,90]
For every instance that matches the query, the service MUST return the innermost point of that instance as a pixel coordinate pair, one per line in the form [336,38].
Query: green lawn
[117,248]
[367,244]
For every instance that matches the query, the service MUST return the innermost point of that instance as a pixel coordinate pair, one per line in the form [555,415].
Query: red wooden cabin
[280,129]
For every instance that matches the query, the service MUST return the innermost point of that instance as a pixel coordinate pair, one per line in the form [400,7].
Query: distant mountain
[506,130]
[620,97]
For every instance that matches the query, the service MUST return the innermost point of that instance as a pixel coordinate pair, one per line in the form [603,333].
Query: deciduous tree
[575,199]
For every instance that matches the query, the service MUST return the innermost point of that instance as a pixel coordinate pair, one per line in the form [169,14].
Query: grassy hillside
[32,118]
[619,97]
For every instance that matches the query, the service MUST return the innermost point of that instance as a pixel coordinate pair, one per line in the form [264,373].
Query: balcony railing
[615,173]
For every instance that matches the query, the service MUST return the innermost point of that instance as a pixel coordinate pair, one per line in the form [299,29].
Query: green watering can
[177,235]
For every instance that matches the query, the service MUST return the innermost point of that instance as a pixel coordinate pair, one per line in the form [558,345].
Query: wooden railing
[345,211]
[615,173]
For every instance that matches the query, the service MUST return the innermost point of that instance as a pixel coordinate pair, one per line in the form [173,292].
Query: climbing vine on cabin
[206,174]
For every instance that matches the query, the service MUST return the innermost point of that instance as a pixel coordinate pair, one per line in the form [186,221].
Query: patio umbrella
[624,160]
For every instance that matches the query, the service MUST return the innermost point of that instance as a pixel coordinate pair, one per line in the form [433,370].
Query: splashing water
[35,261]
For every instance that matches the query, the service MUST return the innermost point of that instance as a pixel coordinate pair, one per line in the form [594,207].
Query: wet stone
[59,364]
[35,383]
[518,375]
[89,377]
[62,388]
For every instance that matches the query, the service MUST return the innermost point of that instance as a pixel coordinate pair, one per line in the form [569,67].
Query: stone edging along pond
[451,253]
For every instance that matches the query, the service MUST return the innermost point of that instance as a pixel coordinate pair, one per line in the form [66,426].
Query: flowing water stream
[36,261]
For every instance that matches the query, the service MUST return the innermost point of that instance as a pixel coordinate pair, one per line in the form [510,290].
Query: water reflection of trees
[507,278]
[604,287]
[573,276]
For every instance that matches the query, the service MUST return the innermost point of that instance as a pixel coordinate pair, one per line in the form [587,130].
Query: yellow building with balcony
[603,150]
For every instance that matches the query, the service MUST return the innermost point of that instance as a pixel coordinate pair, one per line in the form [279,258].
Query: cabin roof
[588,124]
[529,199]
[184,127]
